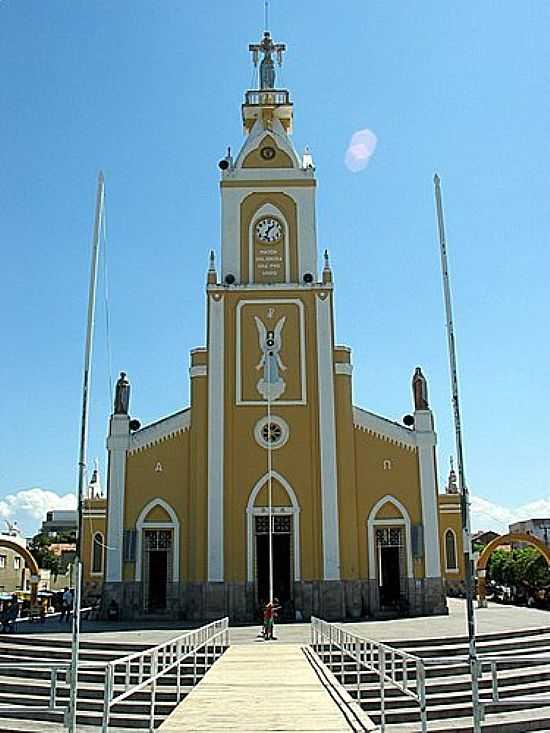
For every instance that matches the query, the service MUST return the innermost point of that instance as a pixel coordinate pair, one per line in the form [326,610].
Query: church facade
[271,439]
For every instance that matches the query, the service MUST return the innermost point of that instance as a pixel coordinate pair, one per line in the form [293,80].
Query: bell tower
[268,191]
[271,375]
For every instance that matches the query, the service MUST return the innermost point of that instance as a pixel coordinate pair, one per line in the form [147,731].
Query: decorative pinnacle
[212,261]
[327,263]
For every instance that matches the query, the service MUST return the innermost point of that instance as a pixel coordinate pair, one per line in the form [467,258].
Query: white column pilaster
[215,436]
[118,443]
[327,438]
[426,441]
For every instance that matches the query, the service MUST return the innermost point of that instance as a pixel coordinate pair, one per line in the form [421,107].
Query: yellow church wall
[279,495]
[249,207]
[388,511]
[198,477]
[245,461]
[400,481]
[158,514]
[144,483]
[347,481]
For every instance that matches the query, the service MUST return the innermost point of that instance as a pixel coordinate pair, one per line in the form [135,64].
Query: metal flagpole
[82,453]
[464,493]
[269,488]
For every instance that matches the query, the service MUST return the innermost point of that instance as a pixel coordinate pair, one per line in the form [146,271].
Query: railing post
[358,658]
[195,666]
[178,671]
[107,696]
[421,692]
[330,648]
[382,674]
[53,685]
[477,707]
[154,670]
[494,681]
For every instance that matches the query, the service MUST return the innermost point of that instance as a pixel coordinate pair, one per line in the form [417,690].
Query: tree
[522,567]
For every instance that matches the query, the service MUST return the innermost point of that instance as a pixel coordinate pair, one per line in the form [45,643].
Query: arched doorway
[505,539]
[29,560]
[286,540]
[157,554]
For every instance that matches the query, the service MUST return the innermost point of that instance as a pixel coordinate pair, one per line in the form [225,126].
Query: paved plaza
[495,618]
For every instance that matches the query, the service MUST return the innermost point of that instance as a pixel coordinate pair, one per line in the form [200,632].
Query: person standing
[67,605]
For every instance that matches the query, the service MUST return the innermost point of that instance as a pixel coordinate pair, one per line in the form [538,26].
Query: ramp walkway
[267,687]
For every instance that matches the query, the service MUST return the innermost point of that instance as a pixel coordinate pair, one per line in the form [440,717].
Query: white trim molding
[384,428]
[143,524]
[118,444]
[343,367]
[426,441]
[216,418]
[327,438]
[160,430]
[199,370]
[252,511]
[372,523]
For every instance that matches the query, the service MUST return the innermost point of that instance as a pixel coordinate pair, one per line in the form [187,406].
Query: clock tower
[271,363]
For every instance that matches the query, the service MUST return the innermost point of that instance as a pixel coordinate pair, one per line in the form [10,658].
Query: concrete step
[85,704]
[86,718]
[120,647]
[449,640]
[506,722]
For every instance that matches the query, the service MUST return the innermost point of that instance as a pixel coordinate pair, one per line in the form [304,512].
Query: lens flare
[361,147]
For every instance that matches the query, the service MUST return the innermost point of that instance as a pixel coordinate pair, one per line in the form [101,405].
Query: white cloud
[360,149]
[487,515]
[28,507]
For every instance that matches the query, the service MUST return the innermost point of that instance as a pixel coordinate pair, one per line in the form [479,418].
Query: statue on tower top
[267,65]
[122,395]
[420,390]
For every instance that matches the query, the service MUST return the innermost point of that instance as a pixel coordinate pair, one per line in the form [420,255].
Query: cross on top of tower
[267,65]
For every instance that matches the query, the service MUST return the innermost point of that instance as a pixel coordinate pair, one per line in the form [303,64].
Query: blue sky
[150,91]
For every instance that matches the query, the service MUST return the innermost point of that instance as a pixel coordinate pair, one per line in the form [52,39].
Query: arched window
[97,553]
[450,550]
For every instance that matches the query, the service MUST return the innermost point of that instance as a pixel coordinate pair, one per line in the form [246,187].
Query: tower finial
[327,272]
[452,487]
[212,275]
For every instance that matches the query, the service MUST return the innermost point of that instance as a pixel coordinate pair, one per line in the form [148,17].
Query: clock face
[269,230]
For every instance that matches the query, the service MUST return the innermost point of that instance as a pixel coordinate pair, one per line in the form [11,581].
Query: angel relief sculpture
[271,385]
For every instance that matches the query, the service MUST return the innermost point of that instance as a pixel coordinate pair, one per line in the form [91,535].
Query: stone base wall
[455,588]
[329,600]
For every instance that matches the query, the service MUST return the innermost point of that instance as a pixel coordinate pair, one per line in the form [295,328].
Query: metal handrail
[152,664]
[148,665]
[392,665]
